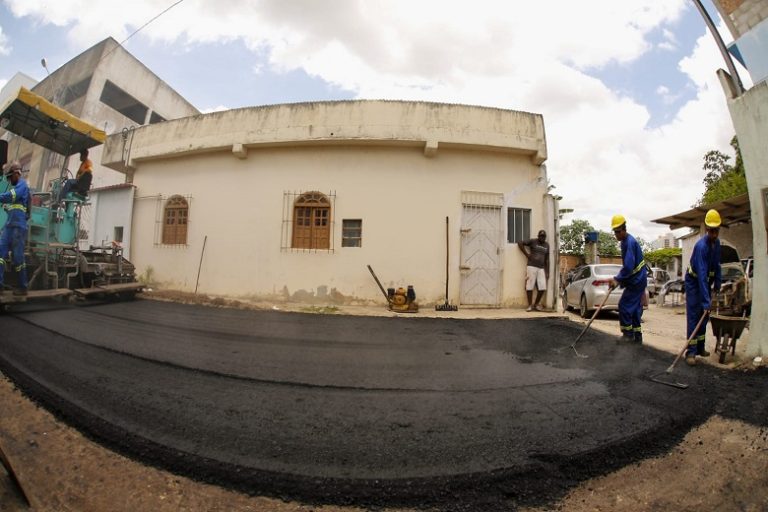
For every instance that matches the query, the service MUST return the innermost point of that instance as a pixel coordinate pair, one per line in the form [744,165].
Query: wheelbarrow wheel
[724,345]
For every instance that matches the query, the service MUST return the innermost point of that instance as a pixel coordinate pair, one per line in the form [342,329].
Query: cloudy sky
[628,90]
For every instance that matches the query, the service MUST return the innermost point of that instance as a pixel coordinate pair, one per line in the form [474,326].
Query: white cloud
[526,56]
[5,49]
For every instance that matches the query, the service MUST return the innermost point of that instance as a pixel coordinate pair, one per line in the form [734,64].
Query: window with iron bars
[518,225]
[308,222]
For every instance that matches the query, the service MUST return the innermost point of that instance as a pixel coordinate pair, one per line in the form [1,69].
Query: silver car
[588,287]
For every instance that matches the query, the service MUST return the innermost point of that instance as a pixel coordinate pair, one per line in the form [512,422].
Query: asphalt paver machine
[57,266]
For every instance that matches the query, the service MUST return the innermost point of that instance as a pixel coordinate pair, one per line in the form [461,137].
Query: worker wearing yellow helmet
[702,275]
[633,277]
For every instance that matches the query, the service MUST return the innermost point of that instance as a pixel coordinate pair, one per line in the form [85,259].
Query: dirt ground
[721,465]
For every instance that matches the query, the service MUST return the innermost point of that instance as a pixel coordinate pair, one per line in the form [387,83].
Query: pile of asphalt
[453,414]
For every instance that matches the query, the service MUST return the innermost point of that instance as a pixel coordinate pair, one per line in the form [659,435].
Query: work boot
[639,338]
[530,308]
[690,359]
[703,353]
[627,336]
[20,292]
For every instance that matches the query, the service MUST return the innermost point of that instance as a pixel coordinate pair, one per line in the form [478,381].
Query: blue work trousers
[631,309]
[693,311]
[12,240]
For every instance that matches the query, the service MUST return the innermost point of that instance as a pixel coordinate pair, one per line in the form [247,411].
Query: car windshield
[607,270]
[732,273]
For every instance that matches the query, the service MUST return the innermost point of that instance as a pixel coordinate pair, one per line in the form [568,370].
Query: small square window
[118,234]
[518,225]
[352,233]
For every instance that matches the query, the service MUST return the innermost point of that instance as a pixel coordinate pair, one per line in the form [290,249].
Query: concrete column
[749,113]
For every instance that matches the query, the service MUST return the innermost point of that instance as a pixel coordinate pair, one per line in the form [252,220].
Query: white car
[588,287]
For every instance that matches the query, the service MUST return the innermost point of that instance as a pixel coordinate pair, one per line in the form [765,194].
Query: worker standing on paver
[703,273]
[633,277]
[13,239]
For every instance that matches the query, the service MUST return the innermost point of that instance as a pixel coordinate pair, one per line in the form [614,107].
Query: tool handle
[594,315]
[379,283]
[687,342]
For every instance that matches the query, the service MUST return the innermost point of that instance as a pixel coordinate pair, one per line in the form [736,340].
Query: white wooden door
[481,255]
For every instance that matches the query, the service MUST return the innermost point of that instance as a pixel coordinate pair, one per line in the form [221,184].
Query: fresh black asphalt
[465,414]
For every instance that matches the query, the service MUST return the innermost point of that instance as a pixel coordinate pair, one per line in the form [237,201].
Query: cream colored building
[294,201]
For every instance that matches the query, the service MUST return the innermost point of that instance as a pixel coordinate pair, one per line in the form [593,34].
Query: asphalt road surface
[362,410]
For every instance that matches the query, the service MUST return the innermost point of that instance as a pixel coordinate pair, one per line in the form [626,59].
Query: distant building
[666,241]
[112,90]
[9,89]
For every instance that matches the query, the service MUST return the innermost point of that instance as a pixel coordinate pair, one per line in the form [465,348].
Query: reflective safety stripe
[626,327]
[690,271]
[2,261]
[22,266]
[13,194]
[712,273]
[17,207]
[638,329]
[693,342]
[639,267]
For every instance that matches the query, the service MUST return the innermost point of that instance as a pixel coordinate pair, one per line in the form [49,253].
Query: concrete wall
[400,167]
[111,207]
[749,113]
[742,15]
[104,61]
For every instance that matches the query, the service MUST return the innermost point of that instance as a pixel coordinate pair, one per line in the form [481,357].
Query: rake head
[446,307]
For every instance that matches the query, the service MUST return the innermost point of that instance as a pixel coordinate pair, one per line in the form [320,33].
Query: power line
[142,27]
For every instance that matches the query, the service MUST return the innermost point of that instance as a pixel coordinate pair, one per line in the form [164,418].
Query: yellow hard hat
[617,221]
[712,220]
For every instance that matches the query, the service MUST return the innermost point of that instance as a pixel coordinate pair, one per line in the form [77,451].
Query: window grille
[175,215]
[352,233]
[518,225]
[308,222]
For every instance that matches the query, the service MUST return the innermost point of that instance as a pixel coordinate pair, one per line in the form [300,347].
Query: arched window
[312,221]
[175,221]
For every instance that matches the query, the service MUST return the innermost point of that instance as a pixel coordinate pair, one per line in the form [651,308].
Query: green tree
[661,257]
[722,180]
[607,245]
[572,237]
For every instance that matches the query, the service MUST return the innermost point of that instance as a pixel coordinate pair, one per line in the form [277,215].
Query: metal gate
[481,248]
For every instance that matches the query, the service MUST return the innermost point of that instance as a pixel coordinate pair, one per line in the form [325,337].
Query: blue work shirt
[16,204]
[633,271]
[704,268]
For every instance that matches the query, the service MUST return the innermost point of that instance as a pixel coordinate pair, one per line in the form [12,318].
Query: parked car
[587,287]
[656,279]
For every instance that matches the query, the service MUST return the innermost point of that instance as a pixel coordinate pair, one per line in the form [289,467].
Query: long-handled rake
[675,384]
[594,315]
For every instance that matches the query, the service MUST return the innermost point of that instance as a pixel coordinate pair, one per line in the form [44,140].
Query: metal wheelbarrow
[727,330]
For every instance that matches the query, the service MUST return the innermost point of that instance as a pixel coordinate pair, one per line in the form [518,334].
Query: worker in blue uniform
[633,277]
[16,202]
[703,274]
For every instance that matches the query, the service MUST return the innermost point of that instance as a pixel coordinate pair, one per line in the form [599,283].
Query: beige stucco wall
[749,113]
[400,167]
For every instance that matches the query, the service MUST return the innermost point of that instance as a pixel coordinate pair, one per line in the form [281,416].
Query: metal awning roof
[735,210]
[43,123]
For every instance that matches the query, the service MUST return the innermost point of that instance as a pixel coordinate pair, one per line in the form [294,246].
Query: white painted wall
[110,208]
[749,113]
[401,195]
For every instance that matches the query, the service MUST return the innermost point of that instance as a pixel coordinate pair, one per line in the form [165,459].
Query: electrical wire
[141,28]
